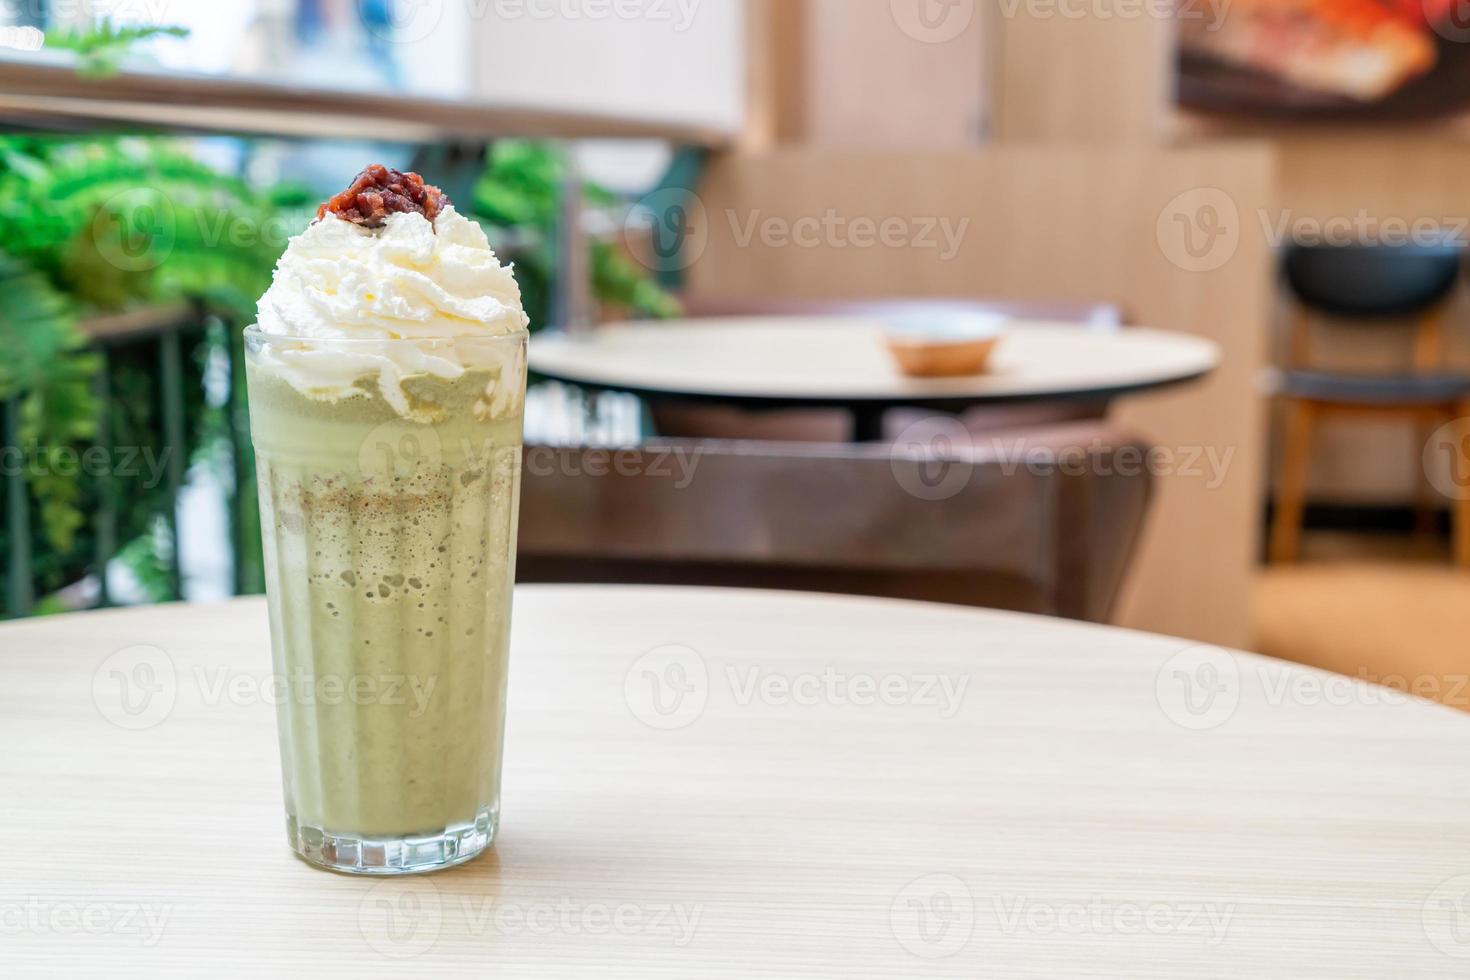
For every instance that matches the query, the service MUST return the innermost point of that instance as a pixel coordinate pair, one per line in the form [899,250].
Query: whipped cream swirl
[409,280]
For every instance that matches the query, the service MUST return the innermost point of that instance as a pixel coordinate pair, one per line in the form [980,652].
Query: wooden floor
[1388,609]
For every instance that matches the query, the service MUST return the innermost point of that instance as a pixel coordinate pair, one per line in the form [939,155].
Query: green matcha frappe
[386,380]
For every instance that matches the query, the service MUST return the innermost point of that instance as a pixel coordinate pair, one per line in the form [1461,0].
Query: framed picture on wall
[1335,60]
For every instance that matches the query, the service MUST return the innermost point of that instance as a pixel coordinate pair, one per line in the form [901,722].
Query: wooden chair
[973,526]
[1365,284]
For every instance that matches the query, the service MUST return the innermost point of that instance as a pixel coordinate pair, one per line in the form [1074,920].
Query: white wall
[670,60]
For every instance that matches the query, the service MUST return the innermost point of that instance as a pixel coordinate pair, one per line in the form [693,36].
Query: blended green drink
[387,380]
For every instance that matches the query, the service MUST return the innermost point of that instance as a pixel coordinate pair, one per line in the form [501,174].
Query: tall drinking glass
[389,529]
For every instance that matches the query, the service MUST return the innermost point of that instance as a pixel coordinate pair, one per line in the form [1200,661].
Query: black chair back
[1367,282]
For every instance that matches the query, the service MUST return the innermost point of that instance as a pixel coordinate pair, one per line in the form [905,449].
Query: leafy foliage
[521,189]
[101,48]
[116,220]
[45,363]
[100,224]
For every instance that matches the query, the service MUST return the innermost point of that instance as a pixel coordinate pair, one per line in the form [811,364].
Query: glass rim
[254,333]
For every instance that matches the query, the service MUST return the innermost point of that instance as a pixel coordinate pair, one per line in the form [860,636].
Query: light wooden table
[841,361]
[1077,801]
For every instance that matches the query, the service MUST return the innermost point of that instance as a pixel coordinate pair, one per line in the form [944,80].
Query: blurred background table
[955,793]
[842,362]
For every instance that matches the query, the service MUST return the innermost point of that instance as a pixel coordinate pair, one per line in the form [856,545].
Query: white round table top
[844,359]
[722,782]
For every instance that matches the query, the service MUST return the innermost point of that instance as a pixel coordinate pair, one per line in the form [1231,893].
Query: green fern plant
[99,224]
[101,48]
[520,189]
[46,365]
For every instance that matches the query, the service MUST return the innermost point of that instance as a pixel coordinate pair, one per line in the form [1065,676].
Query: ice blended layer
[387,378]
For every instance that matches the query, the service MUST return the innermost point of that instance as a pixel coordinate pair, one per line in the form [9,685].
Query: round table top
[842,360]
[723,782]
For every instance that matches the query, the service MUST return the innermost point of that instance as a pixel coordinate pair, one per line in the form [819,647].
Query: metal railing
[166,331]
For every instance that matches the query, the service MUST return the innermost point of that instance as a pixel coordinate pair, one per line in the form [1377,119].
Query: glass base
[354,854]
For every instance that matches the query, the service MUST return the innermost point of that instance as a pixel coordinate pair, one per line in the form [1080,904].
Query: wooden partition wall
[1102,73]
[1034,223]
